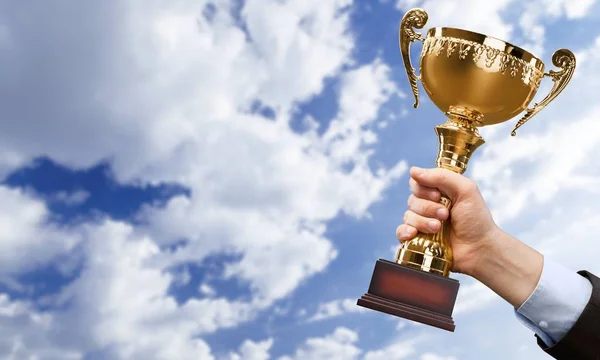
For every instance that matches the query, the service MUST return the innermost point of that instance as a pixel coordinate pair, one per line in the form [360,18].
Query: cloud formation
[208,94]
[170,93]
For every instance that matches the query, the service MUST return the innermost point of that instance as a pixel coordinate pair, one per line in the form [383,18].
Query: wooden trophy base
[412,294]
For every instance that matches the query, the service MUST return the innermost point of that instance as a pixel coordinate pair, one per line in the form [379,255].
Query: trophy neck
[458,139]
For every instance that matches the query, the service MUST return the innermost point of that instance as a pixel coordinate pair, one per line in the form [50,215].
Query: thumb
[448,182]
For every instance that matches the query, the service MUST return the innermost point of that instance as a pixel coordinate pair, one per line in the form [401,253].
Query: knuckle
[410,200]
[431,208]
[413,184]
[409,217]
[434,195]
[423,193]
[413,205]
[421,207]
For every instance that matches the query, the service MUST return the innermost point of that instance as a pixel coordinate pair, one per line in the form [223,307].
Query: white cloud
[24,333]
[479,16]
[487,17]
[535,167]
[149,323]
[165,93]
[340,345]
[431,356]
[162,77]
[300,42]
[262,209]
[74,198]
[250,350]
[580,222]
[335,308]
[538,12]
[397,350]
[119,306]
[510,188]
[363,92]
[206,290]
[473,296]
[27,240]
[10,160]
[182,277]
[401,324]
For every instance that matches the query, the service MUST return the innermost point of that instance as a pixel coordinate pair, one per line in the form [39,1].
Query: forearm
[509,267]
[548,298]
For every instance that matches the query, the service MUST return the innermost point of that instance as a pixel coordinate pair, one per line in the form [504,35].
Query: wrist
[489,247]
[508,267]
[481,252]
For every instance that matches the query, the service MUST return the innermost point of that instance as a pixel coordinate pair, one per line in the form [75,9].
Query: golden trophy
[476,80]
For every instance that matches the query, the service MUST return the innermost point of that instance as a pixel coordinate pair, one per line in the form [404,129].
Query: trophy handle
[414,18]
[565,60]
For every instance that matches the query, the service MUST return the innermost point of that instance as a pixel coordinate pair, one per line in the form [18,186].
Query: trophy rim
[496,43]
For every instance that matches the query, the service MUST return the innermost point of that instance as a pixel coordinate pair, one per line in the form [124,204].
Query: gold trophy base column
[417,287]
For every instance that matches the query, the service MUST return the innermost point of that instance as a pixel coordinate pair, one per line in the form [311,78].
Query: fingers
[414,223]
[405,232]
[422,223]
[448,182]
[425,212]
[423,215]
[427,208]
[423,192]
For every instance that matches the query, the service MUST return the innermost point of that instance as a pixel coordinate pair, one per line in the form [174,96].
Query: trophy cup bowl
[472,71]
[475,80]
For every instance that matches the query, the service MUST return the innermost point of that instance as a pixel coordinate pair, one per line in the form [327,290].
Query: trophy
[476,80]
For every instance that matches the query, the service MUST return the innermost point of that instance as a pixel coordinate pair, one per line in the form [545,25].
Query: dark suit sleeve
[582,342]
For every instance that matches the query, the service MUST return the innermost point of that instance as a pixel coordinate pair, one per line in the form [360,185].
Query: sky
[216,179]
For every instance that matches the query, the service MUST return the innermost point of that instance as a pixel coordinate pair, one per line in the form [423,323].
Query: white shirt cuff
[558,300]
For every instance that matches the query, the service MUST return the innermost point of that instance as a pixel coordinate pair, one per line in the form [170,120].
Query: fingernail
[441,213]
[434,225]
[406,233]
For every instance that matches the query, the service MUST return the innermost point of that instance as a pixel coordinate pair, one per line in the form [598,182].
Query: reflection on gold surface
[475,80]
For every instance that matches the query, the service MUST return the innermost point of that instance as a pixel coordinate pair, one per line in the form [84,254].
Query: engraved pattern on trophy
[529,74]
[565,60]
[464,50]
[415,18]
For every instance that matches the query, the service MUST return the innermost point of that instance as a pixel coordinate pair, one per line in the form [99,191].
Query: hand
[472,226]
[501,262]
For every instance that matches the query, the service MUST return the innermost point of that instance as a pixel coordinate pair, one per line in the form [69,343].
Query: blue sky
[216,179]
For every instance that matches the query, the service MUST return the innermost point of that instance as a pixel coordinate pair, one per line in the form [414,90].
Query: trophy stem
[458,139]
